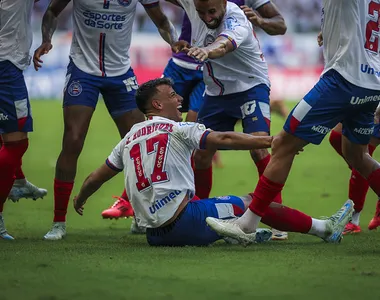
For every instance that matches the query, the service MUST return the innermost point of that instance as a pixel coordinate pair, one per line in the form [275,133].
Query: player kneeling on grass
[155,157]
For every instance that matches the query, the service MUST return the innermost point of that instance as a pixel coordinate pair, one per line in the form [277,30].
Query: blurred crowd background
[295,60]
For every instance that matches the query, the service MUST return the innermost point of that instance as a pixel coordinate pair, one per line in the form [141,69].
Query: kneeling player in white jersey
[15,113]
[155,158]
[347,92]
[236,77]
[99,63]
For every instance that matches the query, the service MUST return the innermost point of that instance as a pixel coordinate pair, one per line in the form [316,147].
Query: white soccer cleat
[279,235]
[135,229]
[22,188]
[4,235]
[337,222]
[229,228]
[57,232]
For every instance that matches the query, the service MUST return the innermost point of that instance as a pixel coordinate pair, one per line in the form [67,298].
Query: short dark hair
[147,90]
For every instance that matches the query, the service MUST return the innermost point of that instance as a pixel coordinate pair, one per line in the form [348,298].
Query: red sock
[10,157]
[124,195]
[359,186]
[19,173]
[336,141]
[62,193]
[203,182]
[287,219]
[261,165]
[374,181]
[266,190]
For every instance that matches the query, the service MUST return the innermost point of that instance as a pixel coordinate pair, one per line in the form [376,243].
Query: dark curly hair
[148,90]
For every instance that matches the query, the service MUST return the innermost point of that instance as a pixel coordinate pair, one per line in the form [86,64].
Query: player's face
[171,102]
[211,12]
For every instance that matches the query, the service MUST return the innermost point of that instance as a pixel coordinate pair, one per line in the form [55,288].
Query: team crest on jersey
[124,2]
[209,39]
[230,23]
[75,89]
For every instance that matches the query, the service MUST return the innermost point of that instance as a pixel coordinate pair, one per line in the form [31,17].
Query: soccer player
[99,63]
[155,158]
[347,92]
[15,114]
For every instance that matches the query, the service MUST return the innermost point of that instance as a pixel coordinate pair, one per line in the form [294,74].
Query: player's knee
[203,159]
[73,142]
[258,154]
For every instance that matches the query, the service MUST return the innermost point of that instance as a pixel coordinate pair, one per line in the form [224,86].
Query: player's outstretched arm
[267,17]
[92,183]
[164,26]
[48,27]
[236,141]
[220,47]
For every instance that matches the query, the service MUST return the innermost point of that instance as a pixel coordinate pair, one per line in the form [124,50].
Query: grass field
[99,259]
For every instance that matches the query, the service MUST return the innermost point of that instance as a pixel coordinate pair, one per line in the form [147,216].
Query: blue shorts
[376,131]
[190,227]
[15,112]
[334,100]
[83,89]
[188,84]
[220,113]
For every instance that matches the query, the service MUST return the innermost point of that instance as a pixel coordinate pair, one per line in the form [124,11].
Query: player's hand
[181,46]
[200,54]
[252,16]
[78,205]
[41,50]
[320,39]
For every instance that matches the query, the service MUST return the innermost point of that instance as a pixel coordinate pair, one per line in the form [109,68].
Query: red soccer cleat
[120,209]
[351,229]
[375,222]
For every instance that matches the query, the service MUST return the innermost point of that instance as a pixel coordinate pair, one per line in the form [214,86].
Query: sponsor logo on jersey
[162,202]
[104,20]
[224,198]
[75,89]
[4,117]
[209,39]
[124,2]
[231,23]
[368,70]
[321,129]
[364,131]
[358,101]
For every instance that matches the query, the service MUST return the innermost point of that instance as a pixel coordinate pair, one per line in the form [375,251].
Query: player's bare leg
[359,158]
[76,123]
[14,146]
[279,107]
[358,185]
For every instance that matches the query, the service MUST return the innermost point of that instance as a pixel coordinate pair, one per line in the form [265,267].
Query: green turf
[99,259]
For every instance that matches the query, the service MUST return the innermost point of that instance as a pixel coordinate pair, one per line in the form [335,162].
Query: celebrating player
[99,63]
[347,92]
[155,158]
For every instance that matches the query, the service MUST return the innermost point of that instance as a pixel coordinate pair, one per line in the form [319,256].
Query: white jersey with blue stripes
[238,71]
[102,35]
[351,37]
[16,34]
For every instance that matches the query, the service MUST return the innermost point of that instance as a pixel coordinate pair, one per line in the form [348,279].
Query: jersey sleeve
[236,29]
[255,4]
[115,159]
[149,3]
[193,134]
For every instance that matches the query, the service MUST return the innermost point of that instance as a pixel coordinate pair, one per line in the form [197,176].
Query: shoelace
[117,202]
